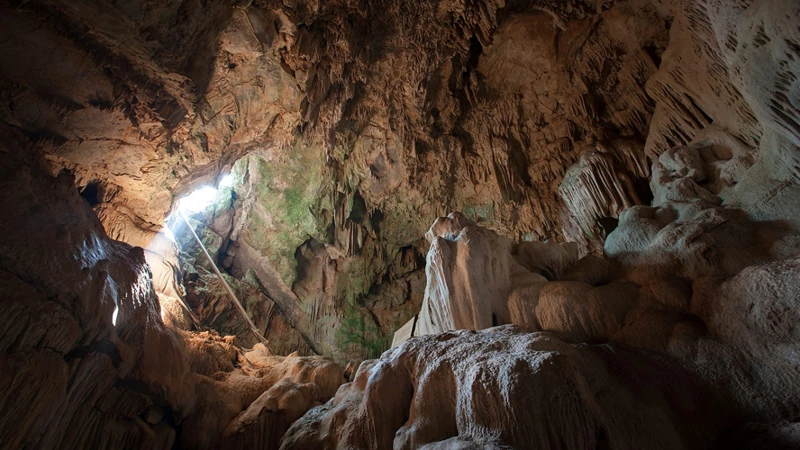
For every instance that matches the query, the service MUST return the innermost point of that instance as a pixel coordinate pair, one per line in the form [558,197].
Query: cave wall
[87,361]
[349,128]
[513,344]
[466,140]
[363,122]
[704,276]
[367,114]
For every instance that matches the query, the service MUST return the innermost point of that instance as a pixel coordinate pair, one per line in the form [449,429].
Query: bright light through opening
[204,197]
[198,200]
[226,181]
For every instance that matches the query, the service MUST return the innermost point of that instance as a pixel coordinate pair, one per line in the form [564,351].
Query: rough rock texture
[728,82]
[87,360]
[208,299]
[693,317]
[472,272]
[363,121]
[502,388]
[349,127]
[599,187]
[706,275]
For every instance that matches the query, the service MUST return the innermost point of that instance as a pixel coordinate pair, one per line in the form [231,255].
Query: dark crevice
[92,193]
[603,442]
[104,346]
[641,186]
[608,224]
[697,108]
[475,51]
[654,53]
[359,209]
[375,219]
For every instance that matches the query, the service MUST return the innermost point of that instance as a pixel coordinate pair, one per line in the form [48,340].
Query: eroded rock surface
[700,294]
[87,360]
[628,174]
[505,388]
[363,123]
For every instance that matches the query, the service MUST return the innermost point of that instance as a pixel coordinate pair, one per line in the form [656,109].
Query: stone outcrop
[699,288]
[598,188]
[503,388]
[705,276]
[359,132]
[473,272]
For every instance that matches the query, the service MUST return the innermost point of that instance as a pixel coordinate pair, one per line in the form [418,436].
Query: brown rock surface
[375,125]
[628,176]
[87,360]
[502,388]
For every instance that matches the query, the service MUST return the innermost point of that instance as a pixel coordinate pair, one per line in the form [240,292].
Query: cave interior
[376,224]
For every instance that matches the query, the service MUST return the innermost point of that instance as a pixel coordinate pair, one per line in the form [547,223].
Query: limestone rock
[87,360]
[478,279]
[502,388]
[348,151]
[348,128]
[597,189]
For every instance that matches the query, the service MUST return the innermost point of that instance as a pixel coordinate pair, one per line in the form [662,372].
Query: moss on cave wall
[282,199]
[289,194]
[359,335]
[478,212]
[289,200]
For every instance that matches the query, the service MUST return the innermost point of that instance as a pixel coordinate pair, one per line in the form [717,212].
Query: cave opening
[608,224]
[204,196]
[197,206]
[384,224]
[198,200]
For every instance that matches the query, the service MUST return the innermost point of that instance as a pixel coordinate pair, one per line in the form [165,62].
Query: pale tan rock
[474,106]
[360,123]
[472,273]
[88,363]
[518,390]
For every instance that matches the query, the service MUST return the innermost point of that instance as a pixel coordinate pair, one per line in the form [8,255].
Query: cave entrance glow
[203,197]
[200,201]
[163,251]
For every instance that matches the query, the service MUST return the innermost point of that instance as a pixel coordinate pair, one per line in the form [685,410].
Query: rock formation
[597,189]
[707,296]
[623,271]
[87,360]
[503,388]
[358,132]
